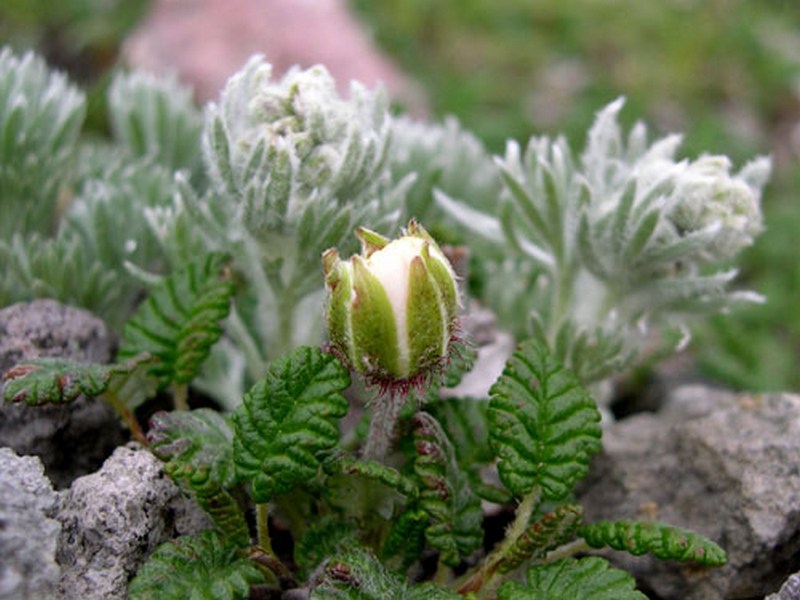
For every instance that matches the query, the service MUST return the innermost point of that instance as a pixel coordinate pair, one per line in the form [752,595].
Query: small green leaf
[180,321]
[589,578]
[358,575]
[664,541]
[202,567]
[547,533]
[407,537]
[371,469]
[197,448]
[325,537]
[61,381]
[454,509]
[543,426]
[288,420]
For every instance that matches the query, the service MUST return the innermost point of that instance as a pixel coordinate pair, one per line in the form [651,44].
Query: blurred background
[724,72]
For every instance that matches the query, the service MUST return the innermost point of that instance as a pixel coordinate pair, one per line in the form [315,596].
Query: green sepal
[339,285]
[543,425]
[374,329]
[371,241]
[200,566]
[456,517]
[426,328]
[180,321]
[550,531]
[590,578]
[61,381]
[197,448]
[445,283]
[288,421]
[664,541]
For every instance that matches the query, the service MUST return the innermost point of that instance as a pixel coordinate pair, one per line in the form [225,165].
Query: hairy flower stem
[484,580]
[262,527]
[180,396]
[385,412]
[566,550]
[127,417]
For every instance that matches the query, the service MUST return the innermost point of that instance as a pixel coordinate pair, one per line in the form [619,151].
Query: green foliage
[406,538]
[371,469]
[180,321]
[156,117]
[60,381]
[288,421]
[202,567]
[575,579]
[664,541]
[454,509]
[543,426]
[40,117]
[326,537]
[358,575]
[197,449]
[547,533]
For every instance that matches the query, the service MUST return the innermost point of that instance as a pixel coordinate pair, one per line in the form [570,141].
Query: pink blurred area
[205,41]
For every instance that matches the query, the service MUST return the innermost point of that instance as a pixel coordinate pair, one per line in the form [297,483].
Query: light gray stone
[28,533]
[113,519]
[789,590]
[71,440]
[724,465]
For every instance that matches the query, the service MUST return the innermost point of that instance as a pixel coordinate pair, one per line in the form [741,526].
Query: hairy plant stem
[385,412]
[127,417]
[262,527]
[484,580]
[180,396]
[569,549]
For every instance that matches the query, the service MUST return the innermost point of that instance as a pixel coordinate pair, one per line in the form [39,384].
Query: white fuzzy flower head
[707,195]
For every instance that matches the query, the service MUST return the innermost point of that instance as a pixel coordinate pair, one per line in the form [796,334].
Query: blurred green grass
[725,72]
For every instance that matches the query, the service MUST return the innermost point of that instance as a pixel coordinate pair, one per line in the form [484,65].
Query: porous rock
[724,465]
[74,439]
[113,519]
[789,590]
[28,533]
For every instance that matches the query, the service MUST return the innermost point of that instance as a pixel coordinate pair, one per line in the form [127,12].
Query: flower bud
[391,310]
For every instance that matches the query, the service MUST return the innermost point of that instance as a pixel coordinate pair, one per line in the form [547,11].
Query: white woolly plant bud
[392,310]
[707,195]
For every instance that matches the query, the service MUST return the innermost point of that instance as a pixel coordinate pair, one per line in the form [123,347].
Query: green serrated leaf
[358,575]
[288,420]
[180,321]
[60,381]
[547,533]
[325,537]
[589,578]
[543,426]
[406,537]
[197,448]
[664,541]
[371,469]
[197,567]
[455,513]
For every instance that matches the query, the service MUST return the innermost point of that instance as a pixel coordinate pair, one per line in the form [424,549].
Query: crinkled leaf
[197,448]
[358,575]
[664,541]
[288,420]
[589,578]
[465,421]
[456,517]
[549,532]
[371,469]
[326,537]
[180,321]
[60,381]
[202,566]
[543,426]
[406,538]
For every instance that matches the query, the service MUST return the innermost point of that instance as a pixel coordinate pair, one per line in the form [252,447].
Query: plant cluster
[234,246]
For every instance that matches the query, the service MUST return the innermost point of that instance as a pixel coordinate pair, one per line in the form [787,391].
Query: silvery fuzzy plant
[248,239]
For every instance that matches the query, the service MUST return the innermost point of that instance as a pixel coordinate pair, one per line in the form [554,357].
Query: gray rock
[28,534]
[88,428]
[112,520]
[721,464]
[789,590]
